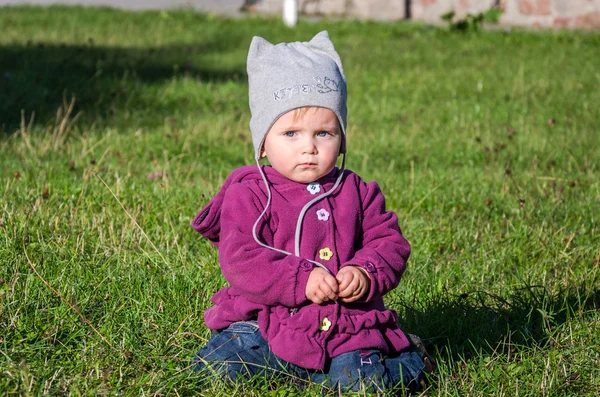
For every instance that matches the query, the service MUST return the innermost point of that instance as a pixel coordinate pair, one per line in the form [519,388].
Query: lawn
[117,127]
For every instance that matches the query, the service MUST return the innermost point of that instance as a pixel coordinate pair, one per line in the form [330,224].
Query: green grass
[486,145]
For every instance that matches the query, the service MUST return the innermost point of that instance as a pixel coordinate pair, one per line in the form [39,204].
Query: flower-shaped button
[322,214]
[325,254]
[325,324]
[313,188]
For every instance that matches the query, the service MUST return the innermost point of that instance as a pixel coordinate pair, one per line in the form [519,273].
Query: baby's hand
[354,283]
[321,286]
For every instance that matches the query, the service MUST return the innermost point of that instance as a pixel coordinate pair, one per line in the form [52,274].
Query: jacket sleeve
[259,274]
[383,251]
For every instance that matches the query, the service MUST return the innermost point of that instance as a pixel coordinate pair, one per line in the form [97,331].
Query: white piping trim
[300,217]
[310,203]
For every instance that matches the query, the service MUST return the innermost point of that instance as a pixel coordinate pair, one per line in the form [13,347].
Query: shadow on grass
[108,83]
[462,326]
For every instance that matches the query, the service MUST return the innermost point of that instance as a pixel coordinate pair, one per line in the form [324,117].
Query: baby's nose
[309,146]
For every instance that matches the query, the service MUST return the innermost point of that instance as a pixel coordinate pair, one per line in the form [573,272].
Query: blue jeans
[240,351]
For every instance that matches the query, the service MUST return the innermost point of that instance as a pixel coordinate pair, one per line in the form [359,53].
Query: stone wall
[363,9]
[537,13]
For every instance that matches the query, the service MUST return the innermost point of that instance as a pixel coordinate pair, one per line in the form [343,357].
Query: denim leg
[406,368]
[371,371]
[239,350]
[355,370]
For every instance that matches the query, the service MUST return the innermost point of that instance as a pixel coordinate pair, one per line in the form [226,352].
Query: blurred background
[535,13]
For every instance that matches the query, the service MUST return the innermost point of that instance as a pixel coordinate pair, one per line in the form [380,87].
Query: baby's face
[305,148]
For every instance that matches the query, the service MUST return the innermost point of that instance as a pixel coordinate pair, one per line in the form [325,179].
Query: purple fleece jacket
[349,227]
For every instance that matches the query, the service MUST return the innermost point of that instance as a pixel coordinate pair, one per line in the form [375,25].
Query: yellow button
[325,324]
[325,254]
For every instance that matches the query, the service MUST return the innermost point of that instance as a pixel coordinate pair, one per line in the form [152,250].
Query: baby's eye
[322,133]
[290,133]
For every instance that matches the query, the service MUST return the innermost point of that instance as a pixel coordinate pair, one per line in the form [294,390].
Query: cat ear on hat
[258,47]
[322,42]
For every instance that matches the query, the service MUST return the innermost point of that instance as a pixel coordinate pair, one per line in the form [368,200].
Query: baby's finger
[344,279]
[318,297]
[332,283]
[350,290]
[328,292]
[360,292]
[314,299]
[350,299]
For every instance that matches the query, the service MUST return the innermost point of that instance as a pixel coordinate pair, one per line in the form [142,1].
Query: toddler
[308,249]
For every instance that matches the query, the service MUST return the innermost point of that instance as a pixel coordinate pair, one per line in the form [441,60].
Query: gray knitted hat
[287,76]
